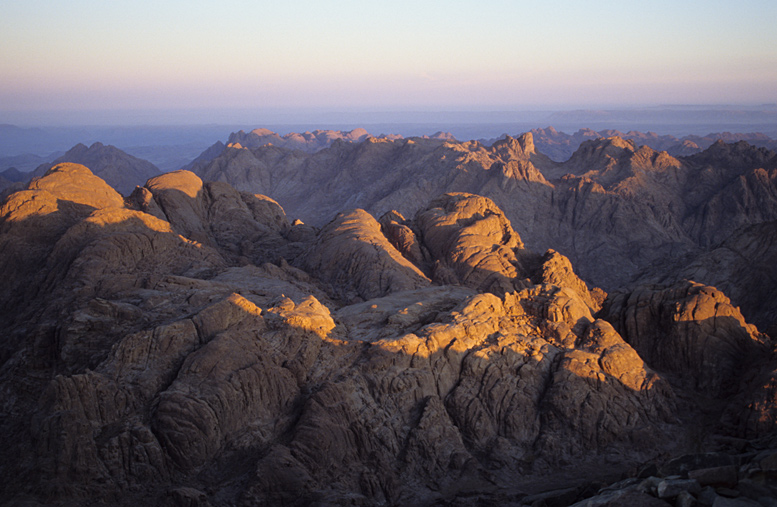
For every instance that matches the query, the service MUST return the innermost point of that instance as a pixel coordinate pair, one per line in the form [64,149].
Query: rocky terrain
[448,324]
[560,146]
[633,206]
[189,343]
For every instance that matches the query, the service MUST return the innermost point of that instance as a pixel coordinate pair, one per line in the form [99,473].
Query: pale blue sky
[407,55]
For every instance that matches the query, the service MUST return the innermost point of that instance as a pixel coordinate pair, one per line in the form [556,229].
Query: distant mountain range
[560,146]
[119,169]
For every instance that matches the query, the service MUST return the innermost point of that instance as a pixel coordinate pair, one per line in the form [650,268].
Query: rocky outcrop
[400,233]
[472,242]
[188,345]
[742,267]
[32,221]
[244,225]
[557,270]
[707,479]
[689,330]
[462,401]
[355,258]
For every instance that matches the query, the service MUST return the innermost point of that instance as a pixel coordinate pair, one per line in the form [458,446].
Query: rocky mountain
[306,141]
[309,142]
[743,266]
[11,178]
[189,345]
[633,206]
[559,146]
[312,141]
[12,174]
[119,169]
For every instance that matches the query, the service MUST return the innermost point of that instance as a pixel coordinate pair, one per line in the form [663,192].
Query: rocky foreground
[188,345]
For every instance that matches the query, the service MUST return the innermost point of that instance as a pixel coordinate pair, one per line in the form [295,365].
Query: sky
[84,55]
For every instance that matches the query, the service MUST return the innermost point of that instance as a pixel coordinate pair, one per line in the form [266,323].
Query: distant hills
[559,146]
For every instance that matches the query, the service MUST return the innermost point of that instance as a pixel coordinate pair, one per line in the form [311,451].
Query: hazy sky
[407,55]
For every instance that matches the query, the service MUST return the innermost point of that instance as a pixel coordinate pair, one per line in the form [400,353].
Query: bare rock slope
[612,199]
[187,345]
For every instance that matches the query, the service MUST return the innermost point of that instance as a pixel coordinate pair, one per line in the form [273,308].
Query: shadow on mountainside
[148,367]
[293,409]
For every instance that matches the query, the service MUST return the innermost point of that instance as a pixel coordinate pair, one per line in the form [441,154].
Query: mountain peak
[521,147]
[740,155]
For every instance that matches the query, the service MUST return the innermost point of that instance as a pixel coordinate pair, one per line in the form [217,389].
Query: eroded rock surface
[356,259]
[690,330]
[619,197]
[190,346]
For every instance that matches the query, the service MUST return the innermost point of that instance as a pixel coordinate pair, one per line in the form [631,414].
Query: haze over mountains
[335,318]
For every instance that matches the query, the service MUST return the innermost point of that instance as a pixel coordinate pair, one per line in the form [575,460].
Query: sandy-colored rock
[557,270]
[472,241]
[689,330]
[246,226]
[32,222]
[739,267]
[355,258]
[144,366]
[400,234]
[76,183]
[179,194]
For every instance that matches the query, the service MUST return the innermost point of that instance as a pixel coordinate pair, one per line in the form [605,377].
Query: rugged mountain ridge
[309,142]
[305,141]
[189,345]
[612,199]
[560,146]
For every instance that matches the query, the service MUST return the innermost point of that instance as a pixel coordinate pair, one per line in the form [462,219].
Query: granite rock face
[744,267]
[189,346]
[618,198]
[355,258]
[690,330]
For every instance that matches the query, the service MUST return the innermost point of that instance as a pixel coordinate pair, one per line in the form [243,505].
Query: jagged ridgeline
[420,337]
[616,210]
